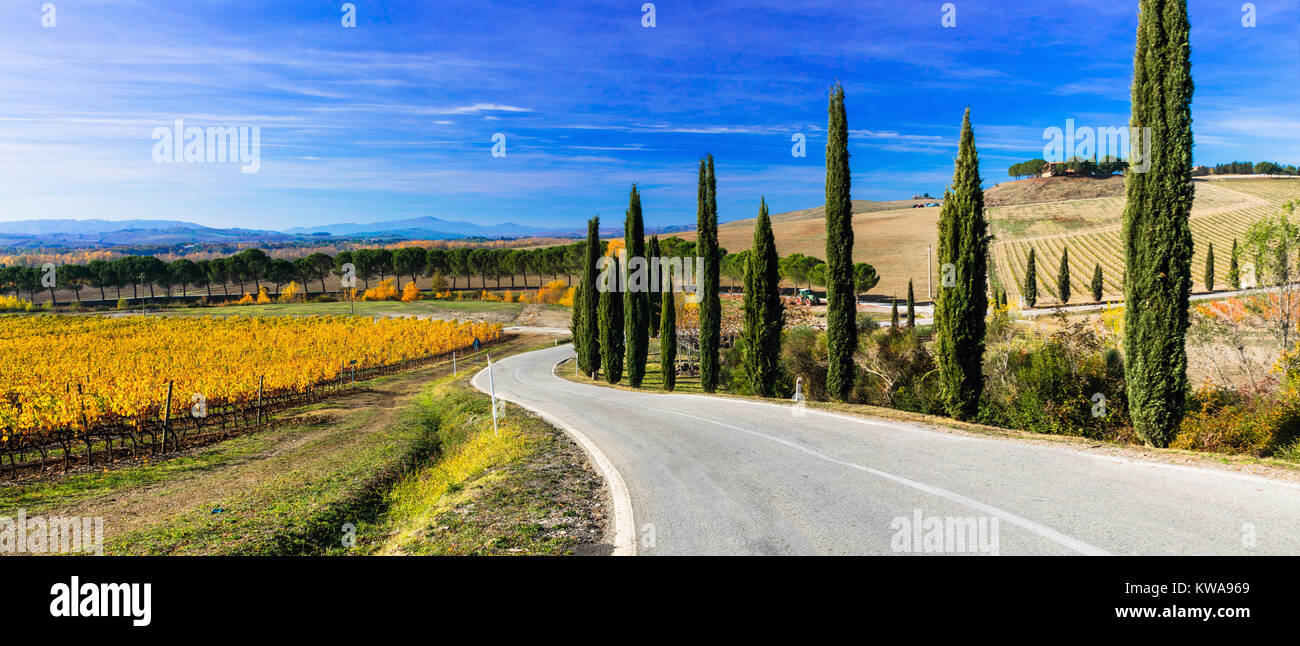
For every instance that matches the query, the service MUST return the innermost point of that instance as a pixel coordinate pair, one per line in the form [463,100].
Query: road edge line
[624,525]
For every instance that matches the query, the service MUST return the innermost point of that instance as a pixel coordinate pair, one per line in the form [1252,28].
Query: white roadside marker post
[453,363]
[800,402]
[492,387]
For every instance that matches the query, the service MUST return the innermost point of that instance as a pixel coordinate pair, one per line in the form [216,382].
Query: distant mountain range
[84,234]
[434,228]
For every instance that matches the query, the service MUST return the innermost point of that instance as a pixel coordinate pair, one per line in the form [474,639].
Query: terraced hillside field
[1222,211]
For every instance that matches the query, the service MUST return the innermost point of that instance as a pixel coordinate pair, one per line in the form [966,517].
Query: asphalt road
[692,474]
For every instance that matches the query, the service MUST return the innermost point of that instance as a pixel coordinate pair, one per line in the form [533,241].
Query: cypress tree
[668,335]
[764,316]
[1063,277]
[611,330]
[636,295]
[706,246]
[1209,269]
[1234,270]
[841,305]
[589,348]
[893,314]
[651,254]
[1031,281]
[1097,284]
[1157,236]
[911,306]
[575,327]
[959,309]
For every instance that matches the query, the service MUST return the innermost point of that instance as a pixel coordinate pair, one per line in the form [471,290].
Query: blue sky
[394,118]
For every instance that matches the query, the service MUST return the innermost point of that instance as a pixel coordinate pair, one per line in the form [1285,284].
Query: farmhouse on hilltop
[1057,169]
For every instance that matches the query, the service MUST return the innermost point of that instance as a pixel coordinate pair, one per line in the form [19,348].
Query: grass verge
[524,488]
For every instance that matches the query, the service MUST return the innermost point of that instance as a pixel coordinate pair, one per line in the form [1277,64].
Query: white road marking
[624,525]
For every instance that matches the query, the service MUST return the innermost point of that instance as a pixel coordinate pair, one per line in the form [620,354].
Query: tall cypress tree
[575,327]
[1031,280]
[1209,269]
[611,330]
[959,308]
[1157,236]
[841,305]
[589,348]
[893,313]
[1097,284]
[1234,269]
[764,315]
[706,246]
[651,255]
[636,295]
[911,306]
[1063,277]
[668,335]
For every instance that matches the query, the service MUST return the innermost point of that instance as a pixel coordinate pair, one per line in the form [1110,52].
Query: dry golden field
[891,238]
[894,238]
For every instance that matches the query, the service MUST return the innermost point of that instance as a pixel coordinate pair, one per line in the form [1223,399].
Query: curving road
[692,474]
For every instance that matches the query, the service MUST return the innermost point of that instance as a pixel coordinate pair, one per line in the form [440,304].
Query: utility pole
[929,280]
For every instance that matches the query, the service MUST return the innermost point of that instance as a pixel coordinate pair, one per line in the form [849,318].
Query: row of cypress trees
[1157,240]
[612,329]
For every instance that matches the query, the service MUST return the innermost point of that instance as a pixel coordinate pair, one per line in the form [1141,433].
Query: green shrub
[1069,384]
[1263,425]
[867,324]
[897,370]
[803,354]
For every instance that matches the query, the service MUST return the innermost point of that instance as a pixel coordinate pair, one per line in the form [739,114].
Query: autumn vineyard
[74,387]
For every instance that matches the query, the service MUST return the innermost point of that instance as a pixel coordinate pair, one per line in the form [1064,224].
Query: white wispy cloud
[479,108]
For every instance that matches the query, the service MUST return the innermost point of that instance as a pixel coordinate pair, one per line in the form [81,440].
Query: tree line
[1104,167]
[254,267]
[1249,168]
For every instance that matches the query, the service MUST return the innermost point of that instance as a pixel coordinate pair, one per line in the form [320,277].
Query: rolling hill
[1047,216]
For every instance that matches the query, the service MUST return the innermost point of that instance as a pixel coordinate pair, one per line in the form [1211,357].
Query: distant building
[1057,169]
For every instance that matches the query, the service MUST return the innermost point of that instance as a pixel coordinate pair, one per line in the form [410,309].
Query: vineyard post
[260,382]
[85,427]
[167,419]
[453,363]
